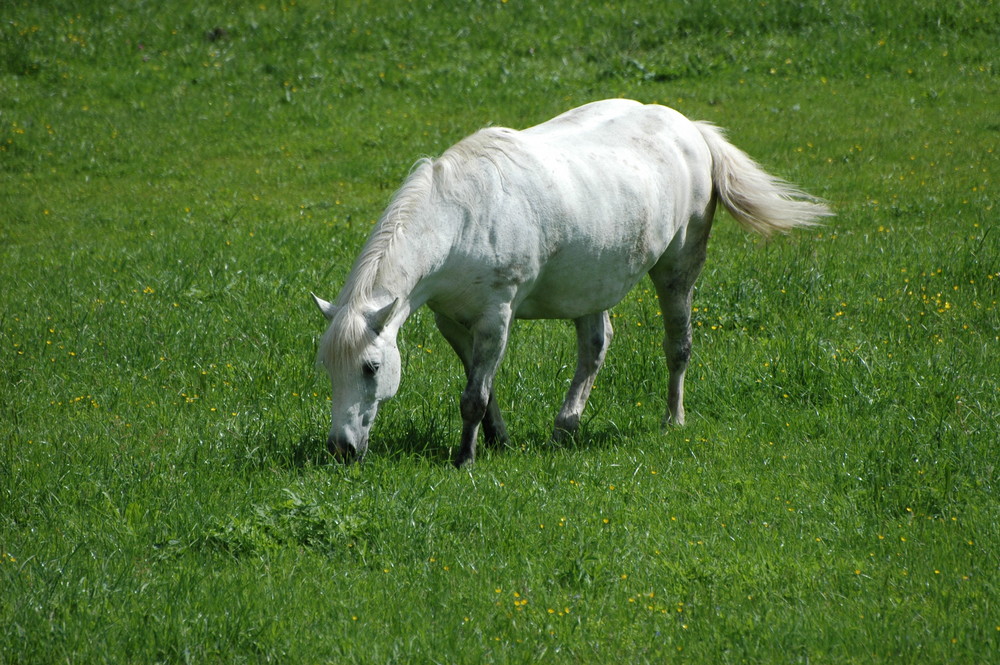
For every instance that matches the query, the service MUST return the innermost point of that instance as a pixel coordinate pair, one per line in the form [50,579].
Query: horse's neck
[411,243]
[412,259]
[398,269]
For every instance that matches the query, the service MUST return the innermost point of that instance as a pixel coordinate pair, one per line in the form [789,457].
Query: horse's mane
[454,176]
[360,284]
[348,331]
[457,176]
[474,166]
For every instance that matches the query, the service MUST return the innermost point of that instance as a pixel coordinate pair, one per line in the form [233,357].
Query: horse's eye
[369,369]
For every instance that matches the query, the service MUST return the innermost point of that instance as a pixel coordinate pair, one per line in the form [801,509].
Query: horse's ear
[328,308]
[378,319]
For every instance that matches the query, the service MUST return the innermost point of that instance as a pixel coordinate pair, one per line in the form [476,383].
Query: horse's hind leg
[460,339]
[674,281]
[593,336]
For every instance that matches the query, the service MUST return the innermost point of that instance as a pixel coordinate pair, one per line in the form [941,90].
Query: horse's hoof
[498,443]
[562,435]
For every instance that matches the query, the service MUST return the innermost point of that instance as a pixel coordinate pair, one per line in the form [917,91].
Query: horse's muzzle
[343,450]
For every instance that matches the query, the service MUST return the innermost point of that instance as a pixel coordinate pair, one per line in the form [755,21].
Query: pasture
[175,178]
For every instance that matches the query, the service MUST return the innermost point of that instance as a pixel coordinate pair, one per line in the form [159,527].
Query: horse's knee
[678,353]
[473,404]
[594,346]
[601,338]
[601,341]
[494,429]
[594,357]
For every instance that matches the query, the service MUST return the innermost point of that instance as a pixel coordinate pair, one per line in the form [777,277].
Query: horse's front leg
[489,340]
[593,336]
[460,339]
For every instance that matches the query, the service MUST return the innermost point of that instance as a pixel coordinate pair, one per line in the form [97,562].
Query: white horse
[558,221]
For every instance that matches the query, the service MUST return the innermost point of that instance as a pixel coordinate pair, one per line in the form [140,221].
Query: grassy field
[176,177]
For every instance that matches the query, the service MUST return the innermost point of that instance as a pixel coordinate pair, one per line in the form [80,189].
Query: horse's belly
[571,291]
[566,306]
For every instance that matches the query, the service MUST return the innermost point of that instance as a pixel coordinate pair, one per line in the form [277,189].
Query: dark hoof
[560,435]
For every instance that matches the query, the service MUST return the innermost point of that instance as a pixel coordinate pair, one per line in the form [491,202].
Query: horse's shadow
[426,440]
[434,442]
[429,440]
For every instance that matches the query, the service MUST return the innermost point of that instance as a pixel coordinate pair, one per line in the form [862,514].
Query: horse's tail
[759,201]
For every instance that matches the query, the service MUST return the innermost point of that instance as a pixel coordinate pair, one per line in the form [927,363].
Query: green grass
[176,177]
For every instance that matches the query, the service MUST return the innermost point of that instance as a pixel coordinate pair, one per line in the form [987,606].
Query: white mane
[348,332]
[455,176]
[361,282]
[468,171]
[462,175]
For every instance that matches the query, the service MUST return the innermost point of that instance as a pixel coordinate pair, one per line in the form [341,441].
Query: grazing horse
[558,221]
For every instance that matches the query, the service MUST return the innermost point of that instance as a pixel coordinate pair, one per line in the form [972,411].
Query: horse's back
[614,122]
[646,150]
[577,209]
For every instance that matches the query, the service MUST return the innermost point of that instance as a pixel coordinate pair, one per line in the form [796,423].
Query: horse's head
[359,352]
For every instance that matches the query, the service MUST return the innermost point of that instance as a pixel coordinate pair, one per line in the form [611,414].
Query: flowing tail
[759,201]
